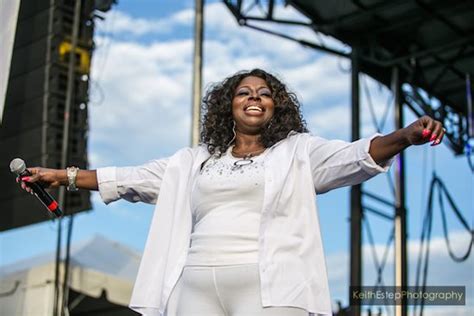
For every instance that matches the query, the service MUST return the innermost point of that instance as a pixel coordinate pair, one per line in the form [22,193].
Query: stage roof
[432,42]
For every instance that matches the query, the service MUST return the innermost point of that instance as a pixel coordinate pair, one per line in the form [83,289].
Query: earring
[233,138]
[270,123]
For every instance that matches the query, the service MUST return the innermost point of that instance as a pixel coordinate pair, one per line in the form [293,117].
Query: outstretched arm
[86,179]
[420,132]
[134,184]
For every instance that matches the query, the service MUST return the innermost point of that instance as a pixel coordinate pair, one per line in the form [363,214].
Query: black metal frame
[407,93]
[455,121]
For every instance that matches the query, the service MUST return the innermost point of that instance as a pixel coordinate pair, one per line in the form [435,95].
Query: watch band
[71,178]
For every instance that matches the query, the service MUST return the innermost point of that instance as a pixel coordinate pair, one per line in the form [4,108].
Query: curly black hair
[218,122]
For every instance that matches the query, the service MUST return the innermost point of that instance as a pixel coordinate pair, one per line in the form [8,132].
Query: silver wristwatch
[71,178]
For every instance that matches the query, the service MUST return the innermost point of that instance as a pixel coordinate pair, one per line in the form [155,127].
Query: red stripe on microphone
[53,206]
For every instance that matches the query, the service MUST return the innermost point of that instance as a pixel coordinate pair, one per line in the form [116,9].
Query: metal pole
[197,72]
[470,114]
[356,194]
[400,211]
[52,7]
[65,141]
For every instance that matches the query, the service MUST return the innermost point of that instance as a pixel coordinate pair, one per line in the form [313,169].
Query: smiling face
[252,105]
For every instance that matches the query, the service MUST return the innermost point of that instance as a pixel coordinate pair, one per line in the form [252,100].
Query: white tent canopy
[100,269]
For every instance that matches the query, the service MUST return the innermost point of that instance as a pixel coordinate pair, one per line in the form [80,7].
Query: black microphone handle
[48,201]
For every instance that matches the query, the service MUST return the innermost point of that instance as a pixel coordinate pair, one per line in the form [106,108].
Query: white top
[226,203]
[291,256]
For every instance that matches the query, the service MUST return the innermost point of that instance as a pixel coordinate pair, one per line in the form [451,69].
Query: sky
[140,109]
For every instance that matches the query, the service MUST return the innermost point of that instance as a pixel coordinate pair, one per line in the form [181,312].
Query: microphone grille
[17,166]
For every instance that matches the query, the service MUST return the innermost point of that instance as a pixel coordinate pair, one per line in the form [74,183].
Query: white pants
[231,290]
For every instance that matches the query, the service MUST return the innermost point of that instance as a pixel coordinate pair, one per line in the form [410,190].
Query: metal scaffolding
[430,74]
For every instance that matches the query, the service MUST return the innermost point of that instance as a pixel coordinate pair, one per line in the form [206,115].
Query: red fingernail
[433,137]
[425,133]
[26,179]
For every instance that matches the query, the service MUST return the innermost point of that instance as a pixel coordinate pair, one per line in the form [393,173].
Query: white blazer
[291,257]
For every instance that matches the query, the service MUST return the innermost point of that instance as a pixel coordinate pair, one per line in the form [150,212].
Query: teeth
[254,108]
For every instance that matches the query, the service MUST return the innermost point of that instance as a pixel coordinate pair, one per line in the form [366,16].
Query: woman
[236,230]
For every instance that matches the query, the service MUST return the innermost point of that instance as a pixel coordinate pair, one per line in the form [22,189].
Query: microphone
[18,167]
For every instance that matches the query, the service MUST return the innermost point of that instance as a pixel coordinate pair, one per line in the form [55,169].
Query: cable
[251,7]
[379,265]
[260,7]
[56,268]
[376,124]
[379,125]
[108,40]
[371,106]
[65,299]
[470,122]
[442,188]
[390,183]
[320,38]
[470,115]
[425,234]
[423,262]
[469,152]
[424,179]
[387,109]
[346,70]
[96,87]
[426,263]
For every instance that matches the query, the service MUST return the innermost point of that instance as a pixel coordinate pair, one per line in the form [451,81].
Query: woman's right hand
[49,178]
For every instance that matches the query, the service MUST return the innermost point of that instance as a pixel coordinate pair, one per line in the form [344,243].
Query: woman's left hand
[424,130]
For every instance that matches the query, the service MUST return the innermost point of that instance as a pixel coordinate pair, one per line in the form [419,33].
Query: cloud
[120,23]
[332,113]
[146,112]
[320,79]
[147,98]
[147,84]
[331,120]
